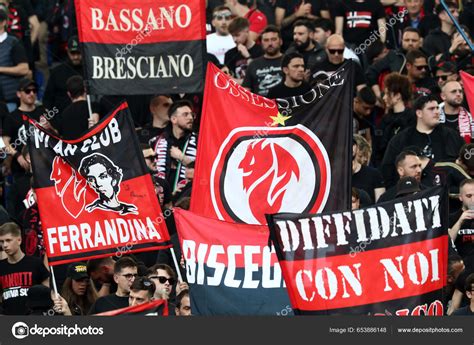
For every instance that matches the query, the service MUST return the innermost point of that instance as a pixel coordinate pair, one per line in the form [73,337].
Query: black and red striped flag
[390,259]
[95,196]
[153,308]
[140,46]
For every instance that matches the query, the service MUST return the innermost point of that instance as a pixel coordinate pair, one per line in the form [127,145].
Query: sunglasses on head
[334,51]
[163,280]
[28,91]
[423,67]
[222,16]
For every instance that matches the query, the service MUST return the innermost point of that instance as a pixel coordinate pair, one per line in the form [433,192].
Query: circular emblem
[265,170]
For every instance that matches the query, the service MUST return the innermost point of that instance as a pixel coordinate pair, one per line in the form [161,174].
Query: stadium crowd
[411,123]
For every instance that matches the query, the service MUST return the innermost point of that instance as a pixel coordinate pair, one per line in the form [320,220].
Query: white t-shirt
[219,45]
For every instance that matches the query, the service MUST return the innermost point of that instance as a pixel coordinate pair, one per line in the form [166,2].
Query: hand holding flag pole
[456,24]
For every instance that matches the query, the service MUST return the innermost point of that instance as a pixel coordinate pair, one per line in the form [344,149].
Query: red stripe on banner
[468,84]
[367,277]
[141,308]
[133,22]
[71,227]
[239,244]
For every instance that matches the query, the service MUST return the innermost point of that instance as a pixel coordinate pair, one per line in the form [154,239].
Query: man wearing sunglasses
[14,136]
[159,106]
[219,42]
[446,71]
[164,279]
[419,74]
[125,273]
[335,47]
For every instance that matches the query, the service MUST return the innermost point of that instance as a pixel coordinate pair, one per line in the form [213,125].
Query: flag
[230,268]
[136,47]
[153,308]
[389,259]
[258,156]
[468,85]
[95,196]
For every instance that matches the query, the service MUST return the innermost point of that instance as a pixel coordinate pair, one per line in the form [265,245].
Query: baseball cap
[77,270]
[73,44]
[39,296]
[25,82]
[407,185]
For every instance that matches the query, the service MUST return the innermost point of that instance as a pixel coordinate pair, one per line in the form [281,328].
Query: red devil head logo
[267,170]
[70,187]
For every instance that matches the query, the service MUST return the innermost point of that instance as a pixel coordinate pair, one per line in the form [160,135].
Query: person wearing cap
[78,293]
[39,301]
[55,94]
[13,63]
[406,186]
[438,40]
[14,135]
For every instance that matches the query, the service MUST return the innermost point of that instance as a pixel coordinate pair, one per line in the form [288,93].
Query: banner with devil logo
[258,156]
[95,196]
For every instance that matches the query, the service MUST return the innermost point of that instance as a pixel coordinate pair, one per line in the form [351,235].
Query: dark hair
[366,95]
[374,50]
[398,83]
[355,193]
[145,146]
[153,269]
[469,282]
[143,284]
[124,262]
[403,155]
[414,54]
[179,104]
[75,86]
[465,182]
[10,229]
[79,304]
[449,3]
[94,264]
[285,61]
[325,24]
[238,24]
[96,158]
[271,28]
[220,8]
[452,259]
[180,297]
[304,22]
[421,101]
[411,29]
[191,165]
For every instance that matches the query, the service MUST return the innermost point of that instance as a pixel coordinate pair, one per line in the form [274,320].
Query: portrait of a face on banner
[94,193]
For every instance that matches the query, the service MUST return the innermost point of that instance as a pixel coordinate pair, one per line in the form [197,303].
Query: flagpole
[55,288]
[176,266]
[456,24]
[89,105]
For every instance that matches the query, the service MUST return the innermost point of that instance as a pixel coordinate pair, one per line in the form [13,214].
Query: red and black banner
[258,156]
[468,85]
[231,269]
[94,194]
[390,259]
[154,308]
[141,46]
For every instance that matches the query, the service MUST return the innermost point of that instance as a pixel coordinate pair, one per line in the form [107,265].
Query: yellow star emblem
[279,119]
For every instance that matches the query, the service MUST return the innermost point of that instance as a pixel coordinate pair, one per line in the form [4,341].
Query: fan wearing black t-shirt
[292,66]
[461,223]
[468,310]
[125,272]
[18,272]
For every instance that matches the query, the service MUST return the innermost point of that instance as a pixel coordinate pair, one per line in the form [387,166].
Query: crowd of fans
[411,123]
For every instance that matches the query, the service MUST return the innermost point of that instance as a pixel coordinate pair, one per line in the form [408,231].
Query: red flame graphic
[267,169]
[70,187]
